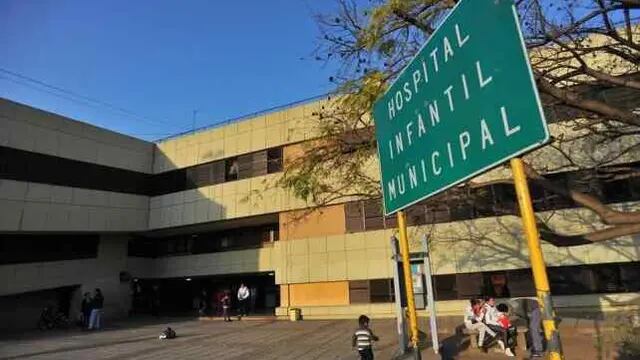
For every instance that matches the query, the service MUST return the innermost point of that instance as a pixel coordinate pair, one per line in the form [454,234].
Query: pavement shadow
[96,345]
[453,345]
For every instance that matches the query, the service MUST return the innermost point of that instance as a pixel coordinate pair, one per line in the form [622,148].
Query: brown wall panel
[326,221]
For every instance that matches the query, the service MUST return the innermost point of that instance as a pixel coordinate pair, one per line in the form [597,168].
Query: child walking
[363,338]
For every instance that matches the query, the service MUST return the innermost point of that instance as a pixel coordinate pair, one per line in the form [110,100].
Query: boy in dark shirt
[226,306]
[363,337]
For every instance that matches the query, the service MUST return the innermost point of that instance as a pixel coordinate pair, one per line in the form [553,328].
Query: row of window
[235,168]
[19,248]
[564,280]
[209,242]
[21,165]
[493,200]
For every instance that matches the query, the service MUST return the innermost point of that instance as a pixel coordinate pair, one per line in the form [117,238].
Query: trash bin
[294,314]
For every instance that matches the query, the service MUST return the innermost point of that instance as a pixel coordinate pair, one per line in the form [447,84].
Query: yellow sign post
[537,261]
[408,283]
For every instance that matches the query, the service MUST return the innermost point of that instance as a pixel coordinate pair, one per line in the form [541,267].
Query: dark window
[391,222]
[381,291]
[521,283]
[618,190]
[359,291]
[496,284]
[469,285]
[198,176]
[571,280]
[15,249]
[29,166]
[629,276]
[232,169]
[354,214]
[607,279]
[274,160]
[217,172]
[142,247]
[445,287]
[437,213]
[415,216]
[373,219]
[251,165]
[209,242]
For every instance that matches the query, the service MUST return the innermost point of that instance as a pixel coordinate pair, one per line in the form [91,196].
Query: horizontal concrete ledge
[579,306]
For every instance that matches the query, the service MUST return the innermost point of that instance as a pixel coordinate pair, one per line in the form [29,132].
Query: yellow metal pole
[537,261]
[408,283]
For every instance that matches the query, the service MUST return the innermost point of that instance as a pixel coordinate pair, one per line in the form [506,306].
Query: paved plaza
[247,339]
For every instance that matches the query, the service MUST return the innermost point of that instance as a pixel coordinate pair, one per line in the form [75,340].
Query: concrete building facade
[155,224]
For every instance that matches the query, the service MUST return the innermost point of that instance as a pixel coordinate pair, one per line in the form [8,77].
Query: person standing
[85,309]
[253,297]
[535,330]
[225,301]
[96,310]
[243,300]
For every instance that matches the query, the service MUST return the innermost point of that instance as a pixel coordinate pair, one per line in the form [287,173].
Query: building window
[496,284]
[209,242]
[274,160]
[20,248]
[445,287]
[629,275]
[359,292]
[381,291]
[354,214]
[520,283]
[231,169]
[371,291]
[571,280]
[469,285]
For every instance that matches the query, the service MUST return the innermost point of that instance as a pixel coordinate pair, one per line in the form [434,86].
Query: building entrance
[201,295]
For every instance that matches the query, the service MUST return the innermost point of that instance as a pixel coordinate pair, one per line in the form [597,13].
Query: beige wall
[252,134]
[26,206]
[231,200]
[102,272]
[26,128]
[465,246]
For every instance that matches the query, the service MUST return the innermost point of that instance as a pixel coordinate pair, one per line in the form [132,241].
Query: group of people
[222,302]
[487,318]
[91,310]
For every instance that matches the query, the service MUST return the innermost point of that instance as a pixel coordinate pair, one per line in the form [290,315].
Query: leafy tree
[584,54]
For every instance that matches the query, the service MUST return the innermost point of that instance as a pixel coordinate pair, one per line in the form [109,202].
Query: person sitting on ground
[168,333]
[473,316]
[491,319]
[363,338]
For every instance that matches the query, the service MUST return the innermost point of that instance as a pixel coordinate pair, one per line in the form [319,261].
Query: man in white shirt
[243,300]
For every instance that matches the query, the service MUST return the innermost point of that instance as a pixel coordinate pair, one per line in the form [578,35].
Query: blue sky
[160,59]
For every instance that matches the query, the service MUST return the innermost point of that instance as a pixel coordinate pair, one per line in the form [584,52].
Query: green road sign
[466,103]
